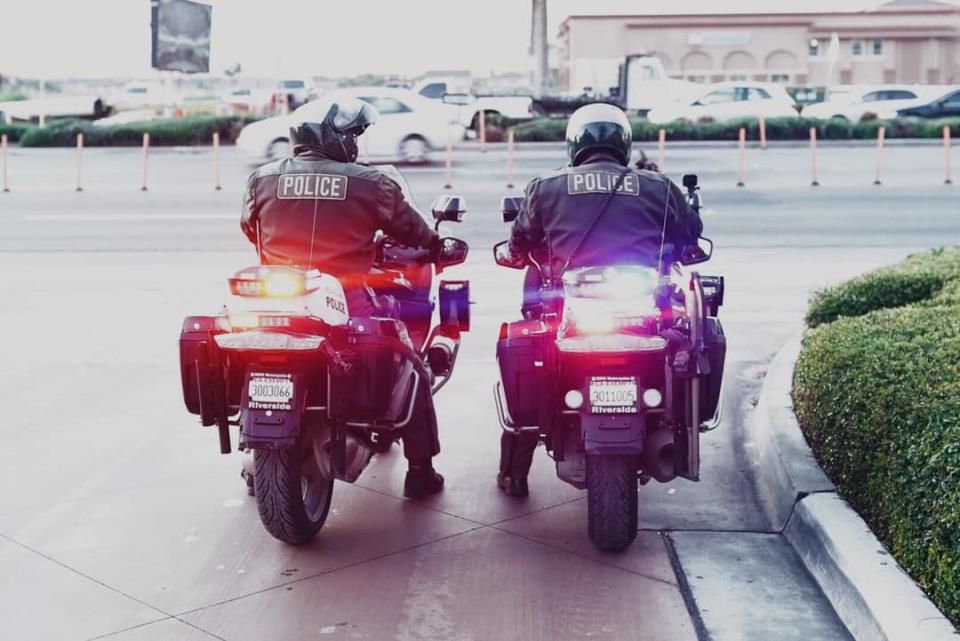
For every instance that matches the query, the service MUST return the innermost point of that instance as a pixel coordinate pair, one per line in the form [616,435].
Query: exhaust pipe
[658,456]
[358,456]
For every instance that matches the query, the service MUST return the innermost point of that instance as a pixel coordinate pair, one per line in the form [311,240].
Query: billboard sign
[181,36]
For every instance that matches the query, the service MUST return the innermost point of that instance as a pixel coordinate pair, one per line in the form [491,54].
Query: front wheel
[611,500]
[293,497]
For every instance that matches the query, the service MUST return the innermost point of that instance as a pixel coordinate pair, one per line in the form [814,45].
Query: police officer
[596,211]
[322,209]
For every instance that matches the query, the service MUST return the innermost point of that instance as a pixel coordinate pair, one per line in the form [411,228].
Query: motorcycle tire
[611,501]
[292,496]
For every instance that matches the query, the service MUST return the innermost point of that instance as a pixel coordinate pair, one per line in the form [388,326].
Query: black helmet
[332,126]
[595,127]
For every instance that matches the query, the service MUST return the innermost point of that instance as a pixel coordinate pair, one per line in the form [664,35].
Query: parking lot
[120,518]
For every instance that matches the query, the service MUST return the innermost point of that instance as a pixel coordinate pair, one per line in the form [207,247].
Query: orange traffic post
[510,159]
[448,165]
[881,136]
[3,148]
[483,131]
[80,162]
[742,146]
[813,156]
[662,150]
[146,147]
[763,132]
[216,160]
[946,148]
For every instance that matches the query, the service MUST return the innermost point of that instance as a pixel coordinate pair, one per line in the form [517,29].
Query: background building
[904,41]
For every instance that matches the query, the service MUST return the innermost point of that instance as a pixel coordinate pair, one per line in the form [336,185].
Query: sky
[104,38]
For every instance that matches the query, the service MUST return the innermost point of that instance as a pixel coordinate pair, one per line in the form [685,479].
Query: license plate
[613,395]
[270,391]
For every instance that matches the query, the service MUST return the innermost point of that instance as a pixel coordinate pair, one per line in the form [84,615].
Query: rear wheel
[611,500]
[293,497]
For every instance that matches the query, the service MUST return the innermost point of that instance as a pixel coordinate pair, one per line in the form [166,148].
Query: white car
[142,95]
[408,129]
[729,101]
[883,101]
[467,107]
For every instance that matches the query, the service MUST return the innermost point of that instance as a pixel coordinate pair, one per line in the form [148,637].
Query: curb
[873,596]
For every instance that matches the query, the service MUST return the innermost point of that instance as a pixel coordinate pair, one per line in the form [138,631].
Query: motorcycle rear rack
[506,421]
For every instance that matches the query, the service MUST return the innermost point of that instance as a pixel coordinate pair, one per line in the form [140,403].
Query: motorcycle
[316,392]
[618,370]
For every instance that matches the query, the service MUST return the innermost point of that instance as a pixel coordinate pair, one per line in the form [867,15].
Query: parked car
[947,104]
[882,101]
[409,127]
[142,95]
[467,107]
[729,101]
[247,100]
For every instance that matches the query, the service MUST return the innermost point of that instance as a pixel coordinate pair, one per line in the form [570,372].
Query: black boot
[422,481]
[513,486]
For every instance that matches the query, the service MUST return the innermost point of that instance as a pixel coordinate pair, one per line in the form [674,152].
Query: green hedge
[552,129]
[195,130]
[878,397]
[916,279]
[14,132]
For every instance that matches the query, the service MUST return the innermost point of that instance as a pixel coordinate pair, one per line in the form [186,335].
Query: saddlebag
[200,374]
[716,345]
[520,354]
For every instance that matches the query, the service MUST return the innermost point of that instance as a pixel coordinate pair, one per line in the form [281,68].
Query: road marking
[124,217]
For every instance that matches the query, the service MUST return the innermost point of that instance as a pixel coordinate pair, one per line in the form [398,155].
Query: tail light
[608,300]
[268,341]
[273,282]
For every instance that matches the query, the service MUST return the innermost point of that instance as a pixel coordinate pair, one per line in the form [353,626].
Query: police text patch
[601,182]
[312,186]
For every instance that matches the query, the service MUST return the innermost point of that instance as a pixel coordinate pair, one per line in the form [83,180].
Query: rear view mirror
[699,253]
[510,208]
[690,181]
[460,99]
[449,209]
[503,257]
[453,251]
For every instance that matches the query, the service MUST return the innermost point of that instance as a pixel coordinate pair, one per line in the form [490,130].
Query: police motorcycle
[316,392]
[619,371]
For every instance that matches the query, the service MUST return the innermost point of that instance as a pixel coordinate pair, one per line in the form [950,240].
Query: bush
[917,279]
[195,130]
[552,129]
[878,398]
[14,132]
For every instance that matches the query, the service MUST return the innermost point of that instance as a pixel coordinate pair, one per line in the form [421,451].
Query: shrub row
[194,130]
[553,129]
[14,132]
[917,279]
[877,394]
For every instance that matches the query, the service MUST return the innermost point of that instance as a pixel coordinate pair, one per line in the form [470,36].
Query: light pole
[538,44]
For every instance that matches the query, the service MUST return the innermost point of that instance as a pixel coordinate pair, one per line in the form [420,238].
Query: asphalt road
[120,519]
